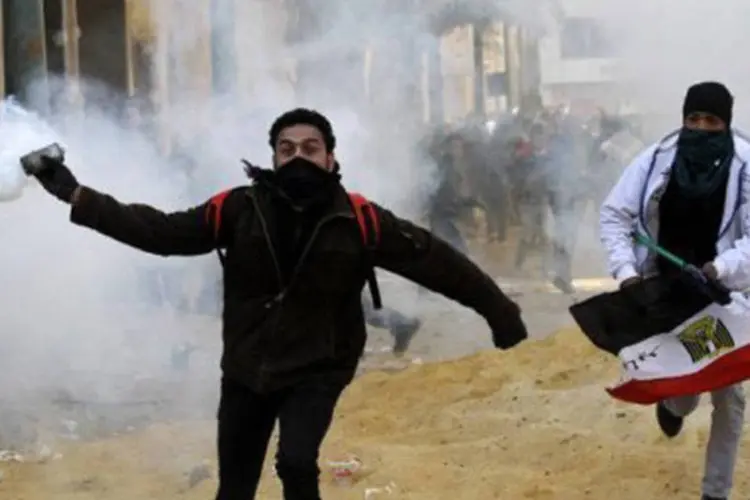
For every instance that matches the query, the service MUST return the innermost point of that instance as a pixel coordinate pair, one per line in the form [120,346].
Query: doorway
[102,53]
[24,51]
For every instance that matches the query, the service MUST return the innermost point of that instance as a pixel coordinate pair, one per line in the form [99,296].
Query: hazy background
[76,313]
[667,45]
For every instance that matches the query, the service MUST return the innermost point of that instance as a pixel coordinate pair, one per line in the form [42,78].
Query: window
[583,38]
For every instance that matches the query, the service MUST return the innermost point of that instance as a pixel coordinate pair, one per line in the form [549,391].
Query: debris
[45,454]
[198,474]
[89,483]
[389,489]
[346,472]
[70,428]
[10,456]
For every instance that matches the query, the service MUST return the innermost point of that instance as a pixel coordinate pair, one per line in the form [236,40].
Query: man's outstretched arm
[190,232]
[418,255]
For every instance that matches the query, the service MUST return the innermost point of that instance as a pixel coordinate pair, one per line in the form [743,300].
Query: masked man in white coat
[690,193]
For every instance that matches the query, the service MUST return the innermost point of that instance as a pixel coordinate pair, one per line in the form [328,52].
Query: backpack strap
[213,218]
[369,226]
[367,220]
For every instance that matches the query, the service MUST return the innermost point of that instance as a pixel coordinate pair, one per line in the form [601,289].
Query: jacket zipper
[311,241]
[269,242]
[308,247]
[279,298]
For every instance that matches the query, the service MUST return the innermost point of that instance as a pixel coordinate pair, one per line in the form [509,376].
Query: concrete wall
[245,56]
[562,78]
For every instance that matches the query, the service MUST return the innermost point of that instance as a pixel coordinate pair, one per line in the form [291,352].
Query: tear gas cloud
[75,311]
[72,301]
[85,315]
[664,46]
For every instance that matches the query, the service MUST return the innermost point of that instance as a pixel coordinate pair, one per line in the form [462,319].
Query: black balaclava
[704,156]
[306,184]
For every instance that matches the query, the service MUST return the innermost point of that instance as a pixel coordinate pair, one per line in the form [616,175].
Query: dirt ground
[446,423]
[534,423]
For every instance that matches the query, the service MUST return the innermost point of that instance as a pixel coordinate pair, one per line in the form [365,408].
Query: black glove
[57,179]
[711,288]
[508,329]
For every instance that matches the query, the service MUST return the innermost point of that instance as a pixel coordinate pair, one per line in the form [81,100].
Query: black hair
[303,116]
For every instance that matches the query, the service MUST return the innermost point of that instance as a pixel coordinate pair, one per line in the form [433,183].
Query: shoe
[403,333]
[670,424]
[706,497]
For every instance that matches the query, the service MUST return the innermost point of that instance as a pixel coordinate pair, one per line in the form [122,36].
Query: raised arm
[190,232]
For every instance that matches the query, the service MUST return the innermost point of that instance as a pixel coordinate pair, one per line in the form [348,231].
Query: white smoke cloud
[75,312]
[667,45]
[77,316]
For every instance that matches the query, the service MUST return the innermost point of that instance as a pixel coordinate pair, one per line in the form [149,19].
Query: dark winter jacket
[279,329]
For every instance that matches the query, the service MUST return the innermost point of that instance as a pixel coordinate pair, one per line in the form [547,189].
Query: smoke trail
[22,132]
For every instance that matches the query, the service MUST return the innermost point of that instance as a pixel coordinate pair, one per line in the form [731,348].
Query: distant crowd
[514,170]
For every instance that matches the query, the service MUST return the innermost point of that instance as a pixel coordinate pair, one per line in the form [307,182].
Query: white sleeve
[618,217]
[733,265]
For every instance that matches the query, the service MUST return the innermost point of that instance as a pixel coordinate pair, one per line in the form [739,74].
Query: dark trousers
[246,421]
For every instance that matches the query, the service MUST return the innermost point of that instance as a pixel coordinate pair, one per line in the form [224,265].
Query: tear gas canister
[33,163]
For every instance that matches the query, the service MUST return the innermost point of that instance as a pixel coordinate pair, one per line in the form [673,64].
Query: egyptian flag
[671,336]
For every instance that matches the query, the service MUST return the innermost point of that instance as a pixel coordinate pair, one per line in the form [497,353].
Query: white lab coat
[633,205]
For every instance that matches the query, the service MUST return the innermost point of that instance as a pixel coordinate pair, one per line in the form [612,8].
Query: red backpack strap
[369,226]
[213,217]
[213,213]
[367,219]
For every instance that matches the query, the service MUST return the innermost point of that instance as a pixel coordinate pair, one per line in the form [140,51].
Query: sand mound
[534,423]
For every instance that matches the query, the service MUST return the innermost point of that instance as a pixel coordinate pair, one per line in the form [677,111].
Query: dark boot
[706,497]
[670,424]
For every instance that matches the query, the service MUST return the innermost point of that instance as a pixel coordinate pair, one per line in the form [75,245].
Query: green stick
[652,245]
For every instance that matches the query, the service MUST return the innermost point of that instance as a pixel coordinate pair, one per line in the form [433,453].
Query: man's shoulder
[647,155]
[232,200]
[233,193]
[741,144]
[666,143]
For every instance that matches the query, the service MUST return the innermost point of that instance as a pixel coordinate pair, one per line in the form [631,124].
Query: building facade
[155,50]
[46,41]
[578,60]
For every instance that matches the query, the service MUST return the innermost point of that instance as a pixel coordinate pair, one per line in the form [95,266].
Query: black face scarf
[301,191]
[302,184]
[702,161]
